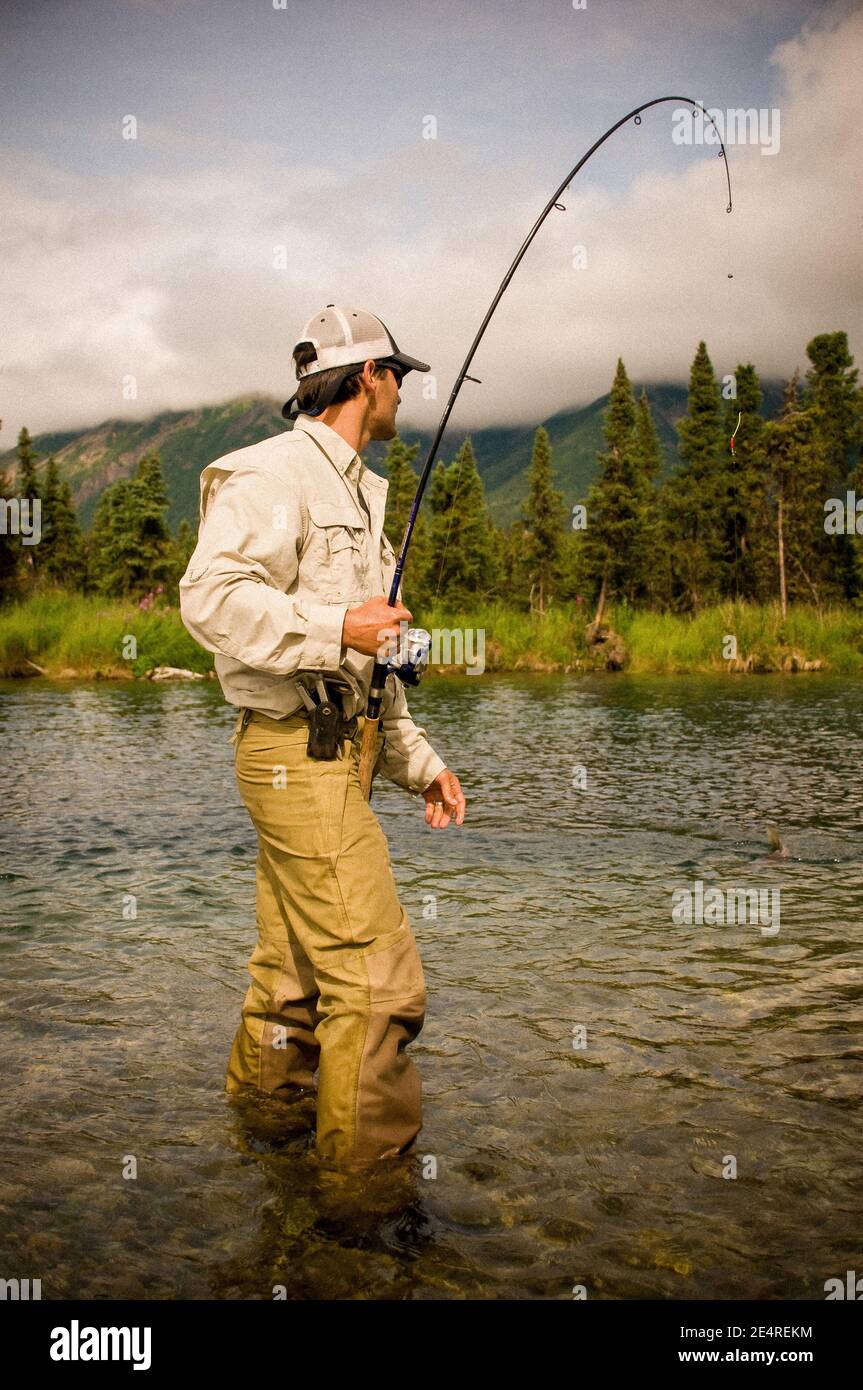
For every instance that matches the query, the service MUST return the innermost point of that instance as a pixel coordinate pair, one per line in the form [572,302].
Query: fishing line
[554,203]
[379,674]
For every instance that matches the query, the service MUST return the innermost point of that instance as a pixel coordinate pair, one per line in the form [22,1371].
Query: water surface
[549,911]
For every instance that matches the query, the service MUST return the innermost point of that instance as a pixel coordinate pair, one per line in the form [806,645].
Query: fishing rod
[383,668]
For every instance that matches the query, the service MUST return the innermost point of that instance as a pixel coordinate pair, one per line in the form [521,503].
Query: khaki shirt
[284,549]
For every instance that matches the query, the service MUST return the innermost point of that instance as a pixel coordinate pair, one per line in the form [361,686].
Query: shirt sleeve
[407,758]
[232,596]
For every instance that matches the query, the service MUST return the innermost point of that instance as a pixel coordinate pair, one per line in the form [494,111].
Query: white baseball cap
[344,337]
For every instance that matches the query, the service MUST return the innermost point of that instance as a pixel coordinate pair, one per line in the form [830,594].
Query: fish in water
[777,849]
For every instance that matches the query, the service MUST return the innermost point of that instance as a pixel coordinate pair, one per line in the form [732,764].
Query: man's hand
[443,797]
[373,626]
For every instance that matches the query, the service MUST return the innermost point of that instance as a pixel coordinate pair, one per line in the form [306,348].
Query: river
[615,1101]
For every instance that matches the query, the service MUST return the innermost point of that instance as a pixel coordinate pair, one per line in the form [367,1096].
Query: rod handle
[368,755]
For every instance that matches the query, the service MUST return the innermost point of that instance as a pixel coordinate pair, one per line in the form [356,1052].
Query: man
[287,585]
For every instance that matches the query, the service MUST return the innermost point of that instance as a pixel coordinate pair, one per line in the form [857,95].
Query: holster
[328,727]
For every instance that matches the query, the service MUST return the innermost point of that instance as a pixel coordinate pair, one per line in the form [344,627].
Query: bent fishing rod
[409,669]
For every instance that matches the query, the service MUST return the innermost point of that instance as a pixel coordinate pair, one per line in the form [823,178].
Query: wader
[337,982]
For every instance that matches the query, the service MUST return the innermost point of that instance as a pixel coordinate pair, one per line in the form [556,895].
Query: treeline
[747,523]
[129,552]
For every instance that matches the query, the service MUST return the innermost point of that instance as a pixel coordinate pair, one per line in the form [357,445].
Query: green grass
[86,634]
[667,643]
[664,643]
[514,640]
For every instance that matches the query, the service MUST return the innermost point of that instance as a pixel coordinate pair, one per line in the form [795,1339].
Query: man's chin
[384,430]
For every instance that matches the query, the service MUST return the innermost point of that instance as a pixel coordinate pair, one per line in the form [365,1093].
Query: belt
[349,727]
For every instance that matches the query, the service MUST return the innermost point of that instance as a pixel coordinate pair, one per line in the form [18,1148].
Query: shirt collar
[337,450]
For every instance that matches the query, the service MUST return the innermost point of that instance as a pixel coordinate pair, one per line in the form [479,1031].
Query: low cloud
[172,281]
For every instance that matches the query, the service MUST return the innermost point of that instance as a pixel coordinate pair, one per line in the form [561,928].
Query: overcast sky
[259,128]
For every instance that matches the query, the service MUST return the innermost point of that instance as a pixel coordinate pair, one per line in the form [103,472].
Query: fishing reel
[412,657]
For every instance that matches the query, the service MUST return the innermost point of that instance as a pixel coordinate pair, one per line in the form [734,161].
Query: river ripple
[556,1164]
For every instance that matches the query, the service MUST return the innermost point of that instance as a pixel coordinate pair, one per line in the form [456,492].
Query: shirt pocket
[337,557]
[388,566]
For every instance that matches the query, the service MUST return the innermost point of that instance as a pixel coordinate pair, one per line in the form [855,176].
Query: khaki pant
[337,982]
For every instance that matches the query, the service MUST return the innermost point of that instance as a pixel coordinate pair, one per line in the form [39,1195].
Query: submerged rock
[173,673]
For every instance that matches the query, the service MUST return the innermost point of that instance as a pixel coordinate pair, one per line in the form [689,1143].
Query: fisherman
[287,586]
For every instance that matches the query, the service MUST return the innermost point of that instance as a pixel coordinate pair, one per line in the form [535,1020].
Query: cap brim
[410,364]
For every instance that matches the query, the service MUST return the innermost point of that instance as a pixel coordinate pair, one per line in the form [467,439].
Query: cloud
[176,280]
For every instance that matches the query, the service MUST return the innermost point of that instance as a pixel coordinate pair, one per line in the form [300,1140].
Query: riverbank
[73,636]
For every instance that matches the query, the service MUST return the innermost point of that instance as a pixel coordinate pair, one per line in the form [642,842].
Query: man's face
[382,420]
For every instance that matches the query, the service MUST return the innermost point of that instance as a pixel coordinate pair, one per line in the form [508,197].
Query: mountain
[188,440]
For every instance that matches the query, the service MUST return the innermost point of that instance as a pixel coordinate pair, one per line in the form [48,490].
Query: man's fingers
[454,799]
[448,802]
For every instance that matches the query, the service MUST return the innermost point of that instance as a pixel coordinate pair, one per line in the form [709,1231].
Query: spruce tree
[151,524]
[543,515]
[693,495]
[27,479]
[464,553]
[402,488]
[62,543]
[647,446]
[614,541]
[28,492]
[112,542]
[131,548]
[834,398]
